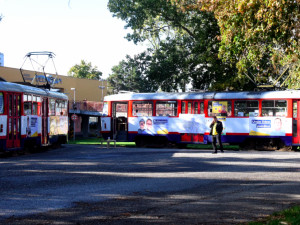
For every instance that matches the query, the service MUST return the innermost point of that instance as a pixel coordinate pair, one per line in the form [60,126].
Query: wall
[85,89]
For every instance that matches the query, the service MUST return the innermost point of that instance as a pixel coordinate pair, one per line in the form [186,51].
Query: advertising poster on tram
[219,107]
[32,126]
[269,126]
[186,123]
[149,125]
[58,125]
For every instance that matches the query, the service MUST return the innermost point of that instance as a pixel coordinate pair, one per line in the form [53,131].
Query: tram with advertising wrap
[31,117]
[270,118]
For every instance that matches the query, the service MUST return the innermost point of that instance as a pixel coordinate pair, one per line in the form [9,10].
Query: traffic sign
[74,117]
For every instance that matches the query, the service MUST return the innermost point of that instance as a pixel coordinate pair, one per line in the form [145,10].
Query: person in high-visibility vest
[216,128]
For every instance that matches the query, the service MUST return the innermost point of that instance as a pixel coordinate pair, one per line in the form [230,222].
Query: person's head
[215,118]
[142,124]
[277,124]
[149,123]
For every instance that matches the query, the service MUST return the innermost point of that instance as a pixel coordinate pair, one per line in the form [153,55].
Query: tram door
[296,122]
[14,120]
[119,120]
[44,121]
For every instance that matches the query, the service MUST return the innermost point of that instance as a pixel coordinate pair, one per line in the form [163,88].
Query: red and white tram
[265,117]
[31,116]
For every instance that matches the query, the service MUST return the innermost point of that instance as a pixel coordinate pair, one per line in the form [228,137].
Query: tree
[85,70]
[129,75]
[260,37]
[184,45]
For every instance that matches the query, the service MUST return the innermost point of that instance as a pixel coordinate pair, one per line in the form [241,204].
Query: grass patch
[97,141]
[290,216]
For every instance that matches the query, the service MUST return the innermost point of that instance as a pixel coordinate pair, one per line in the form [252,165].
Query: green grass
[97,141]
[290,216]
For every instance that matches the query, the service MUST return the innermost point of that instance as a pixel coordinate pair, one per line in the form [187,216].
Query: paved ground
[92,185]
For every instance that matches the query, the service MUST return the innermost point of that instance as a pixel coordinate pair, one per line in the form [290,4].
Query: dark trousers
[214,142]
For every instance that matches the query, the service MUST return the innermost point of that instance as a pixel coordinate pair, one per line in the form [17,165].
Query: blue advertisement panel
[269,126]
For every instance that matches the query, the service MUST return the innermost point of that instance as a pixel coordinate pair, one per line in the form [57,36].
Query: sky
[73,30]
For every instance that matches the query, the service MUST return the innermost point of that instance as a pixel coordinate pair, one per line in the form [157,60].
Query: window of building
[166,108]
[274,108]
[245,108]
[143,108]
[219,108]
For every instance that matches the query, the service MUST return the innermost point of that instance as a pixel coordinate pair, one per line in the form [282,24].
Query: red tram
[265,117]
[31,116]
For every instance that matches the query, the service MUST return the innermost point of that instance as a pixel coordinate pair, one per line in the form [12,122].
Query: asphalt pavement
[96,185]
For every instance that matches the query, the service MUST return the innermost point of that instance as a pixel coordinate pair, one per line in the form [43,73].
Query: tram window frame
[27,104]
[248,108]
[190,108]
[229,108]
[270,108]
[35,105]
[60,107]
[200,108]
[295,109]
[1,103]
[139,110]
[196,107]
[183,107]
[173,110]
[51,107]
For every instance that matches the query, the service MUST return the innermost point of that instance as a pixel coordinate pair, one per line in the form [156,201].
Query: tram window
[142,108]
[1,103]
[196,108]
[274,108]
[196,104]
[295,110]
[183,107]
[201,108]
[27,108]
[65,108]
[245,108]
[189,108]
[51,107]
[219,108]
[34,108]
[166,108]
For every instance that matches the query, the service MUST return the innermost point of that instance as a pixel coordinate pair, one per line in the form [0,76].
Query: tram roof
[13,87]
[205,95]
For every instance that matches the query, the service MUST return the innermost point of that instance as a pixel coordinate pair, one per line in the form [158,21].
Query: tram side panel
[191,128]
[3,131]
[31,126]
